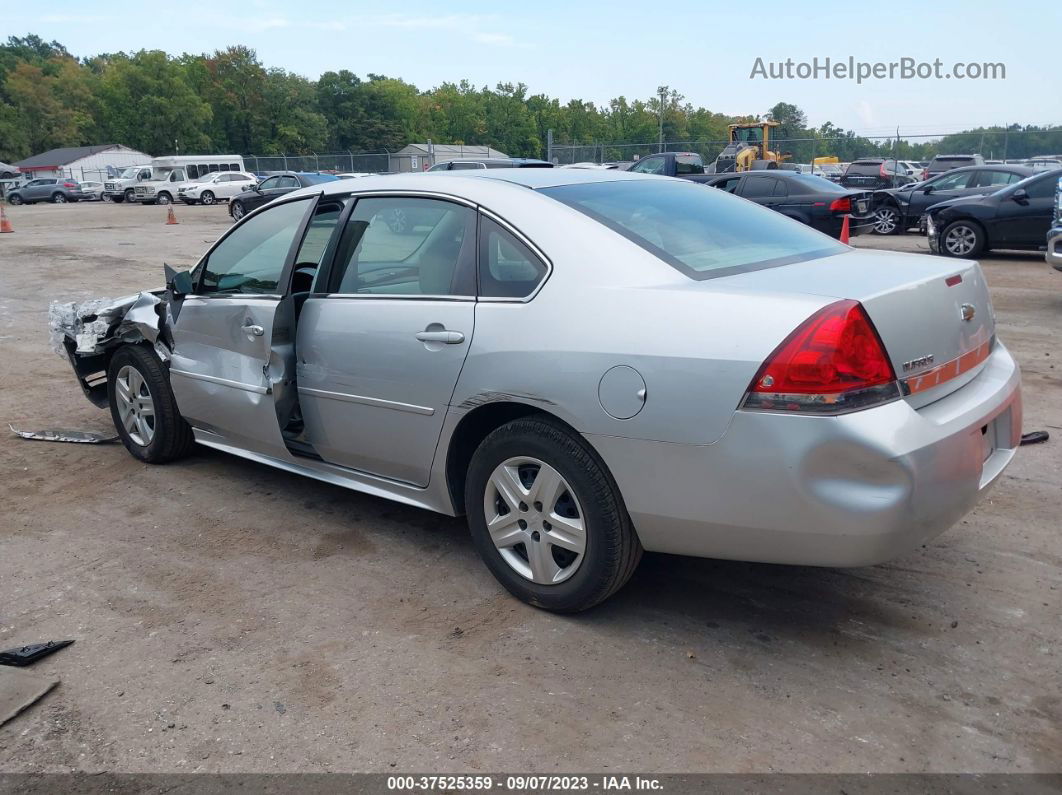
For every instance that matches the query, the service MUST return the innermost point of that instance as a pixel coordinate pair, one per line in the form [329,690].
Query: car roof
[461,182]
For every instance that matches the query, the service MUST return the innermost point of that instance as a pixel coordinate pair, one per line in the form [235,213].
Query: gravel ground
[230,617]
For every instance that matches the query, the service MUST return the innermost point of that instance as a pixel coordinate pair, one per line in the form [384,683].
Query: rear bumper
[852,490]
[1054,248]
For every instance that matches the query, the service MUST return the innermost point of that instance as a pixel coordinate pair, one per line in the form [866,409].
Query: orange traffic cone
[5,225]
[172,219]
[844,229]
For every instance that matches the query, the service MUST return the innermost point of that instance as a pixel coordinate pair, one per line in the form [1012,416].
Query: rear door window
[758,187]
[403,246]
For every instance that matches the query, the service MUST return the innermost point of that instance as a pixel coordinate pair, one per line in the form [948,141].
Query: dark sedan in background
[810,199]
[1015,217]
[900,209]
[272,187]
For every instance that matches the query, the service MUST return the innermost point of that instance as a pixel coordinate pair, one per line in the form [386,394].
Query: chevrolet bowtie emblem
[967,312]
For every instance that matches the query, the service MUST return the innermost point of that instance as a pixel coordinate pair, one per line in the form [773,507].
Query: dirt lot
[233,618]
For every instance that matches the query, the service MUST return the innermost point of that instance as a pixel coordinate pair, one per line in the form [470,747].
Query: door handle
[448,337]
[251,328]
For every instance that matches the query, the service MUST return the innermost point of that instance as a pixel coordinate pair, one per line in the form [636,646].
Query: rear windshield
[317,179]
[817,184]
[703,233]
[952,159]
[689,164]
[865,167]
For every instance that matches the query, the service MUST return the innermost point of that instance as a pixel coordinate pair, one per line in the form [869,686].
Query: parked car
[901,209]
[93,190]
[812,200]
[212,188]
[1054,234]
[875,174]
[122,188]
[170,171]
[798,401]
[911,168]
[685,165]
[942,163]
[490,162]
[1015,217]
[831,171]
[47,189]
[273,187]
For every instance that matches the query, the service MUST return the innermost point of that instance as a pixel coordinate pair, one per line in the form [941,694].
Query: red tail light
[884,174]
[841,206]
[69,184]
[832,363]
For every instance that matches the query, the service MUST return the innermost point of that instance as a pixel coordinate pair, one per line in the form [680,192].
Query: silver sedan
[585,363]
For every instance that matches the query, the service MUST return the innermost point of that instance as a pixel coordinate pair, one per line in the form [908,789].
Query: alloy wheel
[960,240]
[59,198]
[535,520]
[136,409]
[885,221]
[237,211]
[207,197]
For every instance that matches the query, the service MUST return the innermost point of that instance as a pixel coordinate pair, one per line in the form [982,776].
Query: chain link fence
[1011,146]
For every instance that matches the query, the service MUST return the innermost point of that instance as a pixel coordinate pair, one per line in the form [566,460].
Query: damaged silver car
[586,363]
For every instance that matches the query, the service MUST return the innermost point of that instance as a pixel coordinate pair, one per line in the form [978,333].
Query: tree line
[228,101]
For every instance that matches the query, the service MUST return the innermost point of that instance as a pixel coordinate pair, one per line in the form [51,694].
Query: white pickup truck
[121,188]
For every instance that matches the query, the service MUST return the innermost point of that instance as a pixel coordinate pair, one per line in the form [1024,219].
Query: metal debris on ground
[1035,437]
[62,435]
[27,655]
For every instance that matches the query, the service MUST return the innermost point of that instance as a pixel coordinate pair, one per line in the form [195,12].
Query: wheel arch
[479,423]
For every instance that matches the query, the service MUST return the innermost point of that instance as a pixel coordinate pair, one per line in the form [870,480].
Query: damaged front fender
[87,332]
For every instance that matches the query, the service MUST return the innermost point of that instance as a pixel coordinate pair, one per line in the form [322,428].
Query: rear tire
[58,198]
[962,239]
[143,408]
[585,506]
[236,211]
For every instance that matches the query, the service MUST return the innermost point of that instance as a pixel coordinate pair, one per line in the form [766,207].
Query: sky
[596,50]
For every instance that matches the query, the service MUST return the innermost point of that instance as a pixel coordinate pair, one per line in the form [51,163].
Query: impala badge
[921,361]
[967,312]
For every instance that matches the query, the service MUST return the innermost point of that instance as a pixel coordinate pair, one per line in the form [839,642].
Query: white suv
[212,188]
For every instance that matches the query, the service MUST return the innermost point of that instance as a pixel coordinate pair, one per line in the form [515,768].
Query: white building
[420,157]
[82,162]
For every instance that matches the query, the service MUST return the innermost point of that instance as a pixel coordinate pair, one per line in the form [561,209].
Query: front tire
[143,408]
[962,239]
[887,220]
[206,197]
[547,518]
[130,195]
[14,200]
[163,198]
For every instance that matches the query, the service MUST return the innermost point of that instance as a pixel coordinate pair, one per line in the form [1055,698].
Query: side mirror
[927,189]
[1020,196]
[178,282]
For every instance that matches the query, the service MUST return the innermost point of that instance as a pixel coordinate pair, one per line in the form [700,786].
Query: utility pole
[1006,133]
[549,144]
[662,90]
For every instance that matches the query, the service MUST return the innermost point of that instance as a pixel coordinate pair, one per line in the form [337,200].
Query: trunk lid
[934,315]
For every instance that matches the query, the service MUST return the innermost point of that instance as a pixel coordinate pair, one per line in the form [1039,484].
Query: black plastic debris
[1035,437]
[61,435]
[27,655]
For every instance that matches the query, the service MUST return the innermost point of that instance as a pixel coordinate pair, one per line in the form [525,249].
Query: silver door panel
[373,395]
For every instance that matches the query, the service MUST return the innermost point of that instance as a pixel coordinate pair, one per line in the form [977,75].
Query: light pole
[662,90]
